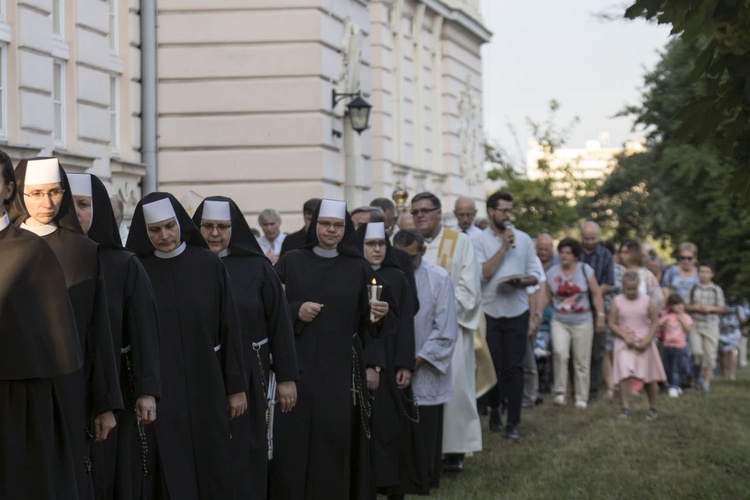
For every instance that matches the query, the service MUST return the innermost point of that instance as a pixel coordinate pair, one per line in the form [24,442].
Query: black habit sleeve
[281,331]
[230,353]
[141,320]
[103,376]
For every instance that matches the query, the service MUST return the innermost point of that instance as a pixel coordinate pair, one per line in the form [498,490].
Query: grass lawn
[698,448]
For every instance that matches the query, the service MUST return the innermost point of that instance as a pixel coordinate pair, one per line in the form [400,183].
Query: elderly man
[272,239]
[508,266]
[545,250]
[600,260]
[453,251]
[465,211]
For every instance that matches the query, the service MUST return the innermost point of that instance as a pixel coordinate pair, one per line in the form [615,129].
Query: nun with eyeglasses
[38,343]
[90,396]
[200,352]
[267,340]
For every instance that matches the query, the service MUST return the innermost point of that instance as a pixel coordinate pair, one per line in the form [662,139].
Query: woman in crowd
[320,447]
[631,257]
[572,287]
[684,275]
[266,335]
[398,464]
[91,395]
[121,464]
[38,342]
[634,320]
[200,352]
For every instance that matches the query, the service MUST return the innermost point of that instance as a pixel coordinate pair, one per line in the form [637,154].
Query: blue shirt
[602,263]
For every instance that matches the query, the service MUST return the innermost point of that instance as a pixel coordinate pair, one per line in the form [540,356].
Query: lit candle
[374,292]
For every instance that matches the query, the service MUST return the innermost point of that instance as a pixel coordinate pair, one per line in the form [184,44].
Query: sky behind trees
[548,49]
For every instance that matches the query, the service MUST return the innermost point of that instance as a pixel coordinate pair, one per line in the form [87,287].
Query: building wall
[245,100]
[86,113]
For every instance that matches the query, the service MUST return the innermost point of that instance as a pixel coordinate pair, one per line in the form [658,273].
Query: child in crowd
[705,304]
[634,321]
[729,341]
[676,324]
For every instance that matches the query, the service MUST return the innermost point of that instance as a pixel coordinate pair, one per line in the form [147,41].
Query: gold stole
[446,249]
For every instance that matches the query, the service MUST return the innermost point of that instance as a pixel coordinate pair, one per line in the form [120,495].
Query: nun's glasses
[53,194]
[210,228]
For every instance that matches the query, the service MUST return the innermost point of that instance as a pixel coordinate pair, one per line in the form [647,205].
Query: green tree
[678,189]
[721,113]
[539,207]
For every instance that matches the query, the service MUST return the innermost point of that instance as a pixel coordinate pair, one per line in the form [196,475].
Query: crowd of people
[354,357]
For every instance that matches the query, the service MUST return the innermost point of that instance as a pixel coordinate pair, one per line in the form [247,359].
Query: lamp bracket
[337,97]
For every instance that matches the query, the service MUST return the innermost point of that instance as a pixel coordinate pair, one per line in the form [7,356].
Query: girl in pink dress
[634,321]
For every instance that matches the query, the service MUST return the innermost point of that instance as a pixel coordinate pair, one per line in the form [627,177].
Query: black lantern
[358,109]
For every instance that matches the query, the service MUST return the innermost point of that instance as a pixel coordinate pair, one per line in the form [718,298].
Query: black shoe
[539,400]
[511,432]
[453,463]
[496,423]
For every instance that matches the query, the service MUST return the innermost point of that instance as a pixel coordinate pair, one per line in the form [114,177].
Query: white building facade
[243,96]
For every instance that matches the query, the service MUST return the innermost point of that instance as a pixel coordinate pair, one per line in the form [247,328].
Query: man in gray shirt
[508,265]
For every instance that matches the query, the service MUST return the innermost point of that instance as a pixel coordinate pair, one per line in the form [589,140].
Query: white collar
[173,253]
[224,252]
[4,221]
[40,230]
[436,237]
[325,253]
[376,267]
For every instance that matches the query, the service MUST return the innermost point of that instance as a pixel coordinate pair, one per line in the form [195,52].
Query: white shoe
[674,392]
[581,404]
[559,400]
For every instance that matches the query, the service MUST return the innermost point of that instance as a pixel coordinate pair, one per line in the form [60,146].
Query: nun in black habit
[38,342]
[120,464]
[44,206]
[320,447]
[200,351]
[398,465]
[267,334]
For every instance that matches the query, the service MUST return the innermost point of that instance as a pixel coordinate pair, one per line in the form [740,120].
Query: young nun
[46,209]
[266,334]
[121,464]
[38,342]
[320,447]
[200,351]
[396,449]
[435,341]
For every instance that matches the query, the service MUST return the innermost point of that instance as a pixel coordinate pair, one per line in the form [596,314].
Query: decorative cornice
[460,17]
[117,165]
[74,162]
[18,152]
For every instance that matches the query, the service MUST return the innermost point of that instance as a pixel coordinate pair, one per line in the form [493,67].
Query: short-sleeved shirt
[570,296]
[711,295]
[674,333]
[501,300]
[683,285]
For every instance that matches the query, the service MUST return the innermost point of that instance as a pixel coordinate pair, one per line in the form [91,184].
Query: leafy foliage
[680,188]
[539,208]
[721,113]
